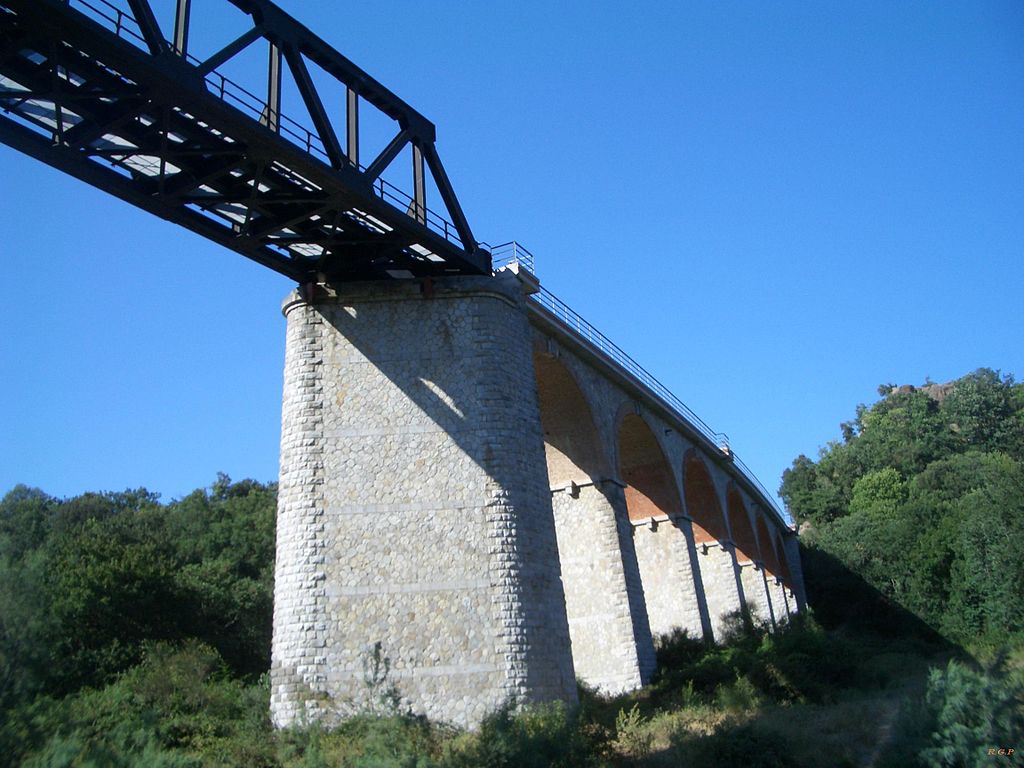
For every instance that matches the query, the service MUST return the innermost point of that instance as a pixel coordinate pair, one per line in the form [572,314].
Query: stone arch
[650,487]
[664,548]
[571,444]
[702,503]
[784,572]
[718,572]
[768,554]
[739,526]
[755,587]
[608,625]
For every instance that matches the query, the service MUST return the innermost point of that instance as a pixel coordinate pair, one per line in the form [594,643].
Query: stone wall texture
[665,567]
[610,637]
[781,604]
[755,593]
[720,588]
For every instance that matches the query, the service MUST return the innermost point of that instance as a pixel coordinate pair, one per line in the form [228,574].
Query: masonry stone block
[797,590]
[780,600]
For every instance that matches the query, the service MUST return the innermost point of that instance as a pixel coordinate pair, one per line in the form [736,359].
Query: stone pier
[414,511]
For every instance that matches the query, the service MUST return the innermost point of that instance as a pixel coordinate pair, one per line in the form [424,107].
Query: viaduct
[472,477]
[473,480]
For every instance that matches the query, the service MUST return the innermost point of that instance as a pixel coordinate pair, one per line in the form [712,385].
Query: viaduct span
[473,480]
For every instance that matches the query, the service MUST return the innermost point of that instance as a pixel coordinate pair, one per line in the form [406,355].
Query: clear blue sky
[774,207]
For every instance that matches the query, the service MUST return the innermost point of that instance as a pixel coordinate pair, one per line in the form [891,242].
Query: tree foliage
[924,501]
[88,583]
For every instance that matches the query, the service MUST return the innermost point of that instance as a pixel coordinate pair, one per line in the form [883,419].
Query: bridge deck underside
[148,130]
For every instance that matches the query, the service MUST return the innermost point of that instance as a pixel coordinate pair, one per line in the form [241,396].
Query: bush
[177,708]
[72,751]
[801,663]
[677,649]
[630,733]
[542,736]
[738,696]
[798,663]
[395,741]
[744,745]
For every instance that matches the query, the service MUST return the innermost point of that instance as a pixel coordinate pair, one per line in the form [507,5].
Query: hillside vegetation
[137,633]
[924,500]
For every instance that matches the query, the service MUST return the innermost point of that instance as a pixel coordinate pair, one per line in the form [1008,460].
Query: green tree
[973,712]
[984,411]
[878,493]
[24,520]
[988,570]
[111,586]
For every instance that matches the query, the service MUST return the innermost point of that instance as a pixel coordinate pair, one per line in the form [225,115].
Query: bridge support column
[414,518]
[797,589]
[664,552]
[721,590]
[755,592]
[780,601]
[612,647]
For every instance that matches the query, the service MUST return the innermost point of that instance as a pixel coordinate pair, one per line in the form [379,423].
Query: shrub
[631,734]
[744,745]
[542,736]
[738,696]
[72,751]
[395,741]
[677,649]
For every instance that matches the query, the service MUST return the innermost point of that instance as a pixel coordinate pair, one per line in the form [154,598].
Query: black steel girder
[95,89]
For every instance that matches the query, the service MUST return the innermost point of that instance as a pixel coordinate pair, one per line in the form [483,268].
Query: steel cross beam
[95,89]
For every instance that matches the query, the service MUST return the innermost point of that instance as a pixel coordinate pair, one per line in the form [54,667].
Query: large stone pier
[414,508]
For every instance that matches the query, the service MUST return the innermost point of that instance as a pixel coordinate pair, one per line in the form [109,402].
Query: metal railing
[511,253]
[507,254]
[124,25]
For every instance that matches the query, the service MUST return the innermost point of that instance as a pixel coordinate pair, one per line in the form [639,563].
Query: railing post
[418,186]
[352,126]
[182,15]
[272,118]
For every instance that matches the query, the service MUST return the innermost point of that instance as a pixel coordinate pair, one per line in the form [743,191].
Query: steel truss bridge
[96,89]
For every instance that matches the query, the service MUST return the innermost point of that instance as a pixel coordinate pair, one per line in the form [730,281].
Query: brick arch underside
[782,562]
[739,524]
[769,556]
[650,488]
[571,445]
[702,501]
